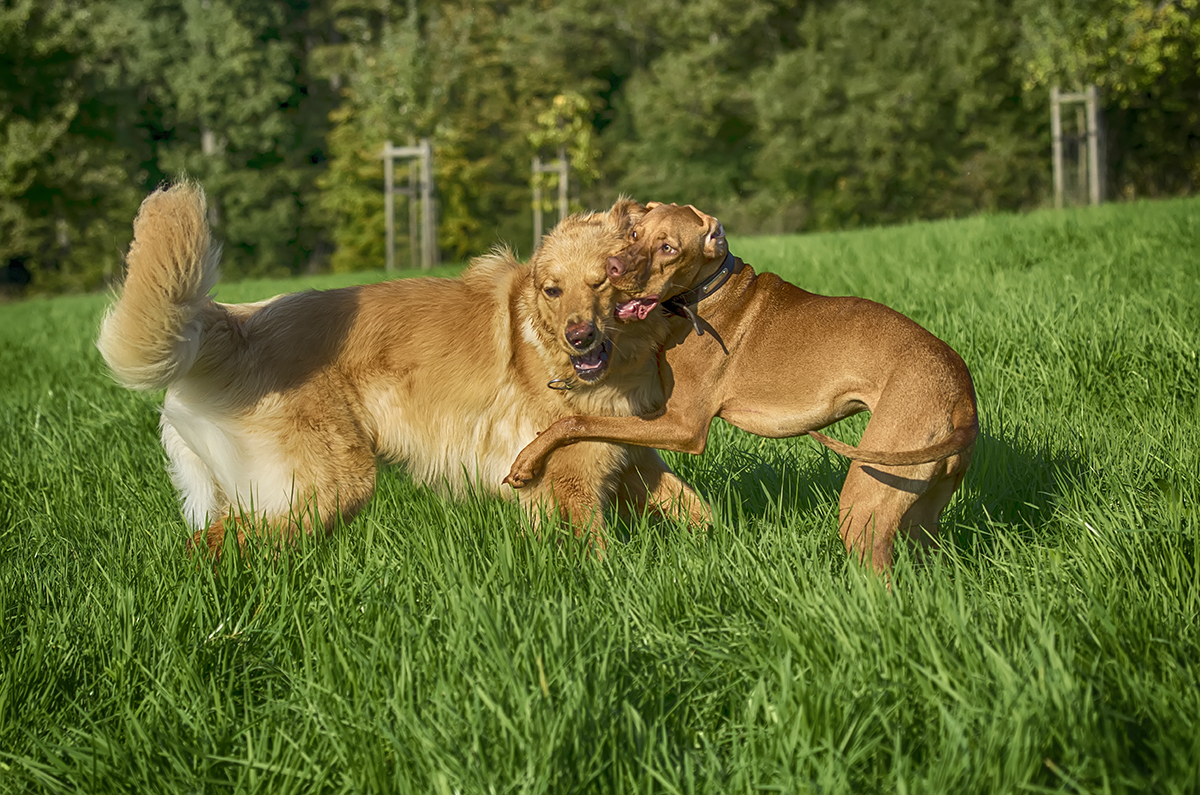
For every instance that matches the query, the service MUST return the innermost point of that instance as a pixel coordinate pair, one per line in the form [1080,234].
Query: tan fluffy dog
[275,412]
[795,362]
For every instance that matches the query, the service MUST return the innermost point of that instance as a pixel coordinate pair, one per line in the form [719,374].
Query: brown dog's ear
[626,213]
[714,242]
[714,238]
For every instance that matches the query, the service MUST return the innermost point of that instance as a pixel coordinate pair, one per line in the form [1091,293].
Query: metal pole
[562,184]
[389,207]
[1093,146]
[208,147]
[1081,155]
[536,168]
[1056,147]
[428,230]
[435,253]
[414,230]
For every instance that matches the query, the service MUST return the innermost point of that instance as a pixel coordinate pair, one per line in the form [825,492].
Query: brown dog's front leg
[668,431]
[533,457]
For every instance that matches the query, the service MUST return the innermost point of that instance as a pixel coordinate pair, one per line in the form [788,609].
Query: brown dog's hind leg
[874,505]
[921,523]
[879,503]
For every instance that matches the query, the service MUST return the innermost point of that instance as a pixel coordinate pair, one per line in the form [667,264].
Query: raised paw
[518,477]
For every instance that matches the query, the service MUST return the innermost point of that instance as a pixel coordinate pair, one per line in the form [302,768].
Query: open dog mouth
[637,308]
[592,364]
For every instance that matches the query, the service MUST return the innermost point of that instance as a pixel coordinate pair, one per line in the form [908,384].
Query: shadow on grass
[1013,488]
[782,477]
[1014,485]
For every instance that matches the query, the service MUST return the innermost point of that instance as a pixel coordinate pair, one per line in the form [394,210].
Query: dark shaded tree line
[779,116]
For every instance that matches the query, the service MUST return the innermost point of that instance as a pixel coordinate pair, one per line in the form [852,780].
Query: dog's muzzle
[591,365]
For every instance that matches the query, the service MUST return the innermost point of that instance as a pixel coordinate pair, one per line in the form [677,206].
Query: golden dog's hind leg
[341,501]
[210,539]
[649,484]
[575,487]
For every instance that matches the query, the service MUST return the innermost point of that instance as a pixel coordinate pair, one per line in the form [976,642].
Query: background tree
[778,116]
[1145,58]
[888,111]
[235,101]
[67,145]
[471,77]
[566,126]
[689,132]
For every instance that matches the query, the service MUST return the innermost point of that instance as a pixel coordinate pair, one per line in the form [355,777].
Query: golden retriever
[276,411]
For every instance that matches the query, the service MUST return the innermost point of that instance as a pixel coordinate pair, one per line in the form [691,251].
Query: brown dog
[795,362]
[275,412]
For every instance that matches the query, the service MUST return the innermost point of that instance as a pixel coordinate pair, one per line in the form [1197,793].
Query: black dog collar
[676,304]
[686,304]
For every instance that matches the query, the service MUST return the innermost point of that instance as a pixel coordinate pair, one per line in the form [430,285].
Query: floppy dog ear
[626,213]
[714,242]
[714,239]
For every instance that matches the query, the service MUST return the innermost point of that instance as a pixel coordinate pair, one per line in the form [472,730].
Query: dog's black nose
[581,335]
[615,267]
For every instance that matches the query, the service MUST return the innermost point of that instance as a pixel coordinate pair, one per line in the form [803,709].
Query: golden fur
[276,411]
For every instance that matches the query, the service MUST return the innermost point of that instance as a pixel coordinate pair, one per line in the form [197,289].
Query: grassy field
[433,647]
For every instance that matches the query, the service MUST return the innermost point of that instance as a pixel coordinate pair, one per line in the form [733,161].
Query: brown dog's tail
[959,440]
[151,336]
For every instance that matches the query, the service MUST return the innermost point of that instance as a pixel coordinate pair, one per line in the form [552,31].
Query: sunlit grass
[436,646]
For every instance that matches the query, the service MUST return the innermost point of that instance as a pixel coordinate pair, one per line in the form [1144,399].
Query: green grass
[433,646]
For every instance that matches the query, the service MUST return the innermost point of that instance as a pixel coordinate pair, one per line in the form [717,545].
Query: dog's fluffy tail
[151,336]
[956,442]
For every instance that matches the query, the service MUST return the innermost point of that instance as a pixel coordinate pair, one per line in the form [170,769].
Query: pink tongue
[637,308]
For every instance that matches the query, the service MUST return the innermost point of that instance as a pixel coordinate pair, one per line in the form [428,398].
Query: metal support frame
[560,166]
[422,213]
[1087,118]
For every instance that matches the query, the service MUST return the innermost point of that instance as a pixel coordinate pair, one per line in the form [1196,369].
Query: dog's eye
[551,292]
[634,234]
[667,249]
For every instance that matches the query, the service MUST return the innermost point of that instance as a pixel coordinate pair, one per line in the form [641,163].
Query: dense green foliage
[778,116]
[1145,57]
[434,646]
